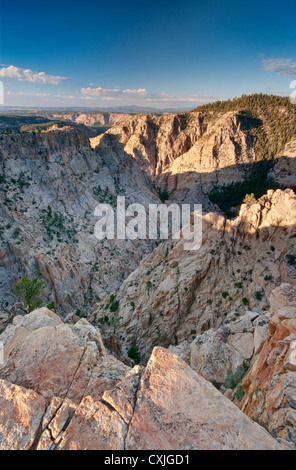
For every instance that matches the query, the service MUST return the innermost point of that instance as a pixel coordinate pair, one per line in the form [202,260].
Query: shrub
[51,306]
[245,301]
[134,354]
[239,393]
[112,298]
[291,259]
[234,380]
[259,296]
[163,195]
[249,199]
[229,382]
[29,290]
[114,306]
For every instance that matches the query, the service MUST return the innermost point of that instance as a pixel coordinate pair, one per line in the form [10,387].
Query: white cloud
[139,94]
[140,91]
[98,96]
[24,93]
[280,66]
[29,76]
[113,92]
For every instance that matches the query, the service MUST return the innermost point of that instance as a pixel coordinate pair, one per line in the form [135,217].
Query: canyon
[144,345]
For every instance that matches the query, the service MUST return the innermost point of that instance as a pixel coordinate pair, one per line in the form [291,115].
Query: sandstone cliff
[175,294]
[226,311]
[50,184]
[270,385]
[92,119]
[197,143]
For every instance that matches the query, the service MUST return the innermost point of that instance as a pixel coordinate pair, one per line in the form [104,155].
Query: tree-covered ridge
[248,102]
[271,121]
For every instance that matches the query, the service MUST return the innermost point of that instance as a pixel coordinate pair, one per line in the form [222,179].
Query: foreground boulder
[21,412]
[56,359]
[60,389]
[178,409]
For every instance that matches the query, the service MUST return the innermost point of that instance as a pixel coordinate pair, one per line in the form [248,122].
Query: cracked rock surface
[61,389]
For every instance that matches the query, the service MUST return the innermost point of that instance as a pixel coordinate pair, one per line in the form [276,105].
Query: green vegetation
[29,290]
[54,223]
[270,121]
[291,259]
[21,181]
[105,320]
[113,304]
[245,301]
[234,381]
[134,354]
[163,194]
[15,122]
[258,296]
[239,393]
[104,195]
[38,127]
[256,183]
[51,306]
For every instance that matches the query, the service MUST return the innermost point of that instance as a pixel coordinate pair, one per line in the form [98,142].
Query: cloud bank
[281,66]
[28,75]
[139,94]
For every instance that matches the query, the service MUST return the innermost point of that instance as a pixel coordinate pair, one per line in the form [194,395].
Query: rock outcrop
[49,187]
[52,180]
[59,389]
[196,145]
[92,119]
[175,295]
[270,385]
[226,312]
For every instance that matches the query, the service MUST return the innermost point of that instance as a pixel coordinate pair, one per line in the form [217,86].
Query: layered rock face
[285,167]
[53,181]
[225,311]
[50,184]
[190,152]
[60,389]
[92,119]
[175,295]
[270,385]
[197,145]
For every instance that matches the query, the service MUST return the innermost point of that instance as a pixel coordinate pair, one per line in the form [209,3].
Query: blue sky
[163,54]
